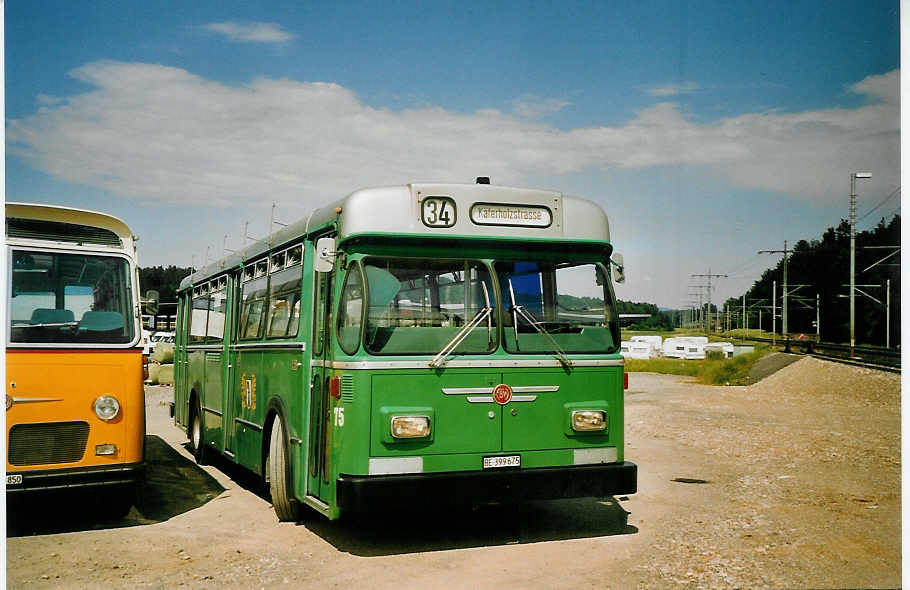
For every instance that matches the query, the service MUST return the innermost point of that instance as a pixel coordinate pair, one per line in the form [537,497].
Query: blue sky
[708,131]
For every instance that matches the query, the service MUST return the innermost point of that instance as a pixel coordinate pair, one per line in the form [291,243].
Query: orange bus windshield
[69,298]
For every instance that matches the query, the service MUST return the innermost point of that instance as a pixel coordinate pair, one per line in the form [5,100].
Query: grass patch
[732,371]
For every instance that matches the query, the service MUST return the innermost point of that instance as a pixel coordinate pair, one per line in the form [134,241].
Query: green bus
[412,345]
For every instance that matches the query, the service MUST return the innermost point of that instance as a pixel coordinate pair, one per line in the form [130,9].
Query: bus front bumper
[365,492]
[79,477]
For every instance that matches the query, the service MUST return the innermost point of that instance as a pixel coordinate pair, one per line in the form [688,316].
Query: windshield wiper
[485,313]
[558,352]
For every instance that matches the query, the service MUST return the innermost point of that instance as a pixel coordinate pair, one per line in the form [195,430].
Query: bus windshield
[448,307]
[70,298]
[556,308]
[419,306]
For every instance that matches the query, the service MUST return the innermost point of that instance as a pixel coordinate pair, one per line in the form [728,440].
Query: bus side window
[284,303]
[217,311]
[199,314]
[253,297]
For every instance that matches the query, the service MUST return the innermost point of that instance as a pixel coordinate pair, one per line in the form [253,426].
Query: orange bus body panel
[76,378]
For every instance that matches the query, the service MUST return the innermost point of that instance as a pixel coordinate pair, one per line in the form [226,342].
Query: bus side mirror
[152,298]
[325,255]
[619,269]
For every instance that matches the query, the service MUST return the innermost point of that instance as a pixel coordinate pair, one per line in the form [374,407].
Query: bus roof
[476,211]
[54,214]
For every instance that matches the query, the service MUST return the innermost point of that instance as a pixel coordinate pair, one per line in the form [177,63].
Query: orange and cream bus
[75,406]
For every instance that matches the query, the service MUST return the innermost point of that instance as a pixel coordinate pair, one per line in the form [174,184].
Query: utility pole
[897,250]
[709,275]
[774,313]
[818,319]
[853,177]
[888,313]
[273,222]
[785,251]
[699,316]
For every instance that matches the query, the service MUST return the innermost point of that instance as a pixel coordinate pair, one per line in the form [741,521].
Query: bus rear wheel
[286,507]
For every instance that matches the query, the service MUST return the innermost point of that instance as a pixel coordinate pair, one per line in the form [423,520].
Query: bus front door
[318,436]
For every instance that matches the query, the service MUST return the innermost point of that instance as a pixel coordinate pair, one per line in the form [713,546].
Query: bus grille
[347,388]
[48,443]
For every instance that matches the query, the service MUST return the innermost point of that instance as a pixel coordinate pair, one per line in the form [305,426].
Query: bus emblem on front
[502,394]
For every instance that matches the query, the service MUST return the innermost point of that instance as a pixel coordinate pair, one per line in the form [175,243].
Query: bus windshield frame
[70,299]
[535,305]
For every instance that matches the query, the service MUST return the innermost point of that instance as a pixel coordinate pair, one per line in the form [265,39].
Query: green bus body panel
[248,440]
[543,423]
[460,426]
[463,427]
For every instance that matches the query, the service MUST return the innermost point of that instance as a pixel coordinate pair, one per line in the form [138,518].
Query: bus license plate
[13,480]
[508,461]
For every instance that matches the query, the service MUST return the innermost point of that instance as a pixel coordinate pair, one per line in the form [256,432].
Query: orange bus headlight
[410,426]
[589,420]
[107,407]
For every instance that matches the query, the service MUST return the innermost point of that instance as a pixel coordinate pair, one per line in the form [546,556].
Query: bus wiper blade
[558,352]
[440,359]
[48,325]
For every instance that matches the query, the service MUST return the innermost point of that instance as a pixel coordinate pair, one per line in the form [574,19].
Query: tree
[824,265]
[165,280]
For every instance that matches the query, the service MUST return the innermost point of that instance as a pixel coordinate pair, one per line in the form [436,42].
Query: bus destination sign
[515,215]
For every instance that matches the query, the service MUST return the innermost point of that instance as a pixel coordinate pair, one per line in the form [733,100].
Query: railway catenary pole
[774,313]
[745,321]
[888,313]
[853,177]
[785,251]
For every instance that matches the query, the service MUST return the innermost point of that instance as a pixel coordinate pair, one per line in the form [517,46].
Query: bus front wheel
[286,507]
[196,437]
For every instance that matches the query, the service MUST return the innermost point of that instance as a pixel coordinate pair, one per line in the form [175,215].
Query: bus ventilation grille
[59,231]
[347,388]
[48,443]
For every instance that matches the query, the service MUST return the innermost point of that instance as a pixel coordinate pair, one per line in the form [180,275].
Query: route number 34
[339,417]
[438,211]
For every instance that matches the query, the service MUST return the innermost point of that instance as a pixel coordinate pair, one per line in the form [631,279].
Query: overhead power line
[885,200]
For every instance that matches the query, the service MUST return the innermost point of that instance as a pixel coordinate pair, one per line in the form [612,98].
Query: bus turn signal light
[335,387]
[108,449]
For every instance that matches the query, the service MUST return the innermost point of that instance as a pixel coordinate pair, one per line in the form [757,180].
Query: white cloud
[153,132]
[250,32]
[673,89]
[48,99]
[534,107]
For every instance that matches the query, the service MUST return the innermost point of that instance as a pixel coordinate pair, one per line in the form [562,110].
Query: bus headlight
[410,426]
[107,407]
[589,420]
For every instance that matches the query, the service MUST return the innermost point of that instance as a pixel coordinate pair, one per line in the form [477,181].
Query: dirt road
[793,482]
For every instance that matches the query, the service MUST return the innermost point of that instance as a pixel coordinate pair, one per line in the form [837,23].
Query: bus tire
[116,503]
[197,439]
[286,506]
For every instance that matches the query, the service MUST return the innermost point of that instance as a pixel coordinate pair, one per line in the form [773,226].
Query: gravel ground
[793,482]
[804,479]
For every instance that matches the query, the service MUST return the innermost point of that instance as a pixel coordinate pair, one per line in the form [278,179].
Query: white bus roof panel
[400,210]
[396,210]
